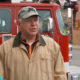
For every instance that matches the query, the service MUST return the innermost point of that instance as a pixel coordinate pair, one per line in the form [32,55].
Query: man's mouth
[33,29]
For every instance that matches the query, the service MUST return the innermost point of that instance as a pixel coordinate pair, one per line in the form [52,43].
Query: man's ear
[19,25]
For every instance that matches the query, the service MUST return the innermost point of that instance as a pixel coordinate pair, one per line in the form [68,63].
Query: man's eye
[36,19]
[27,20]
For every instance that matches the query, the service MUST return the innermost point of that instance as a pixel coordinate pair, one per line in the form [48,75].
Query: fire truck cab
[51,24]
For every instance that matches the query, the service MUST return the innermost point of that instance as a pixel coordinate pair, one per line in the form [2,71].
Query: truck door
[7,26]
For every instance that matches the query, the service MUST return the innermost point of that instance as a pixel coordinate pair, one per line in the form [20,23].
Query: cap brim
[27,16]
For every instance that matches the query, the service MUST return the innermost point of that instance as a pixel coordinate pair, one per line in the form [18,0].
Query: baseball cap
[27,12]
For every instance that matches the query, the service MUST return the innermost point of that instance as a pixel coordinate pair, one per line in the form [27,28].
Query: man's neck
[28,39]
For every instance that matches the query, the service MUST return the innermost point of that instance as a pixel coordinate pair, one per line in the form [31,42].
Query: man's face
[29,26]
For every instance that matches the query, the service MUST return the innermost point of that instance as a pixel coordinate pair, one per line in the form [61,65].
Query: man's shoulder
[8,42]
[50,41]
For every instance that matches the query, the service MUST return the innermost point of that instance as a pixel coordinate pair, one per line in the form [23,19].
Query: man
[30,56]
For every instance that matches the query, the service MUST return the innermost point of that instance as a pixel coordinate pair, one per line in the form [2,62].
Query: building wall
[76,30]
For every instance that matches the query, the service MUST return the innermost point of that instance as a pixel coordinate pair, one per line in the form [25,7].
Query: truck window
[5,21]
[45,16]
[46,22]
[62,27]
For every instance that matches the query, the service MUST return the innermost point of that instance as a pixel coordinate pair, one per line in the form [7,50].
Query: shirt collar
[17,40]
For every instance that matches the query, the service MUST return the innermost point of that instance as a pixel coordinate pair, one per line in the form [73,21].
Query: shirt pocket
[47,67]
[46,63]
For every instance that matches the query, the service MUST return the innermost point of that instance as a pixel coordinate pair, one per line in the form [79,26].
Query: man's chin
[33,34]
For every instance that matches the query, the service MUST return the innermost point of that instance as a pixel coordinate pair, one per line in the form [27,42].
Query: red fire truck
[51,23]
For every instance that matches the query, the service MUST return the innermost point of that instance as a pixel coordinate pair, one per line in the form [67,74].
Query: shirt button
[30,61]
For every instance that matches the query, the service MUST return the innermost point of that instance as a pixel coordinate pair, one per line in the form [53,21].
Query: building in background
[20,0]
[15,1]
[76,29]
